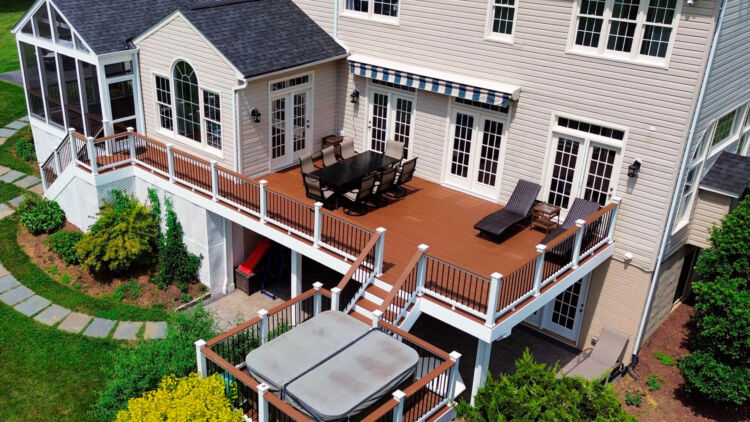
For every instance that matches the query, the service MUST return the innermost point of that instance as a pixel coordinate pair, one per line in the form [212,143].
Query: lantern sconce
[634,168]
[355,96]
[255,114]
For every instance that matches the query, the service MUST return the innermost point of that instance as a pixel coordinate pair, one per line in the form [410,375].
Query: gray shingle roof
[729,174]
[256,36]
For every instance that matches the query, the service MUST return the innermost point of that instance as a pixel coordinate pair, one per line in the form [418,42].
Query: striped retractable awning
[440,86]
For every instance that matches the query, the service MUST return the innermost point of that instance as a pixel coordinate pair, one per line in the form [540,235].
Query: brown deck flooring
[437,216]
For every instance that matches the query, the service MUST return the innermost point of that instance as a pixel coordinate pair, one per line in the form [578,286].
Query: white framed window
[501,20]
[375,9]
[164,102]
[212,118]
[635,30]
[690,187]
[729,130]
[743,146]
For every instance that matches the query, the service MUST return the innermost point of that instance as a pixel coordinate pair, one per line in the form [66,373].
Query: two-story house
[639,106]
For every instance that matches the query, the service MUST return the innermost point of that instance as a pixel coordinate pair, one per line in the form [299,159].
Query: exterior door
[391,117]
[290,127]
[564,315]
[475,152]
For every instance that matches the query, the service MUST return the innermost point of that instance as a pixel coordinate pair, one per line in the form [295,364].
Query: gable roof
[728,175]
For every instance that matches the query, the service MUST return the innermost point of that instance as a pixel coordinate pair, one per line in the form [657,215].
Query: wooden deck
[437,216]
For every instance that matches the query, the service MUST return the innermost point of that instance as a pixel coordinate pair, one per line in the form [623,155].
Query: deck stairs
[373,298]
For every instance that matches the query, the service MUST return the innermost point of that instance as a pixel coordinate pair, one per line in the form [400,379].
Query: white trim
[73,31]
[295,68]
[287,93]
[370,15]
[718,191]
[26,16]
[489,34]
[57,48]
[370,89]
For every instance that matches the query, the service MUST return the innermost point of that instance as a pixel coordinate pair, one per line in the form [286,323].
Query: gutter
[676,194]
[235,124]
[301,66]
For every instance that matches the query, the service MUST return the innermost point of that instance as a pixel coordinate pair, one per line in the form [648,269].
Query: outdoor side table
[543,216]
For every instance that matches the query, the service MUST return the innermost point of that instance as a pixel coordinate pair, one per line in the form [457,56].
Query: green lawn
[12,102]
[19,264]
[10,12]
[47,374]
[8,157]
[9,191]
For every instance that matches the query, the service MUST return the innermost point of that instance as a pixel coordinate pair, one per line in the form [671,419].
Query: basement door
[563,315]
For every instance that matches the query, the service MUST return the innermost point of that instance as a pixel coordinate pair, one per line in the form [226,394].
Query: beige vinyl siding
[321,11]
[430,122]
[158,52]
[663,300]
[255,137]
[448,36]
[710,208]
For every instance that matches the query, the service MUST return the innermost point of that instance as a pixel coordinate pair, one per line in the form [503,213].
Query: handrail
[416,340]
[238,374]
[396,288]
[355,266]
[285,408]
[108,137]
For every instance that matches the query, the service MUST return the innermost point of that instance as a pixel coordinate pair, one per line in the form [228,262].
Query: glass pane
[723,128]
[386,7]
[64,35]
[588,32]
[54,103]
[661,11]
[599,175]
[33,83]
[92,99]
[656,41]
[379,121]
[211,106]
[79,44]
[622,28]
[124,125]
[187,102]
[164,102]
[357,5]
[502,21]
[278,128]
[742,143]
[28,28]
[121,99]
[118,69]
[489,156]
[41,21]
[462,144]
[72,94]
[300,121]
[563,172]
[402,124]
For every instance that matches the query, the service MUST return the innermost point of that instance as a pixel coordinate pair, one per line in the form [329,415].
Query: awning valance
[460,86]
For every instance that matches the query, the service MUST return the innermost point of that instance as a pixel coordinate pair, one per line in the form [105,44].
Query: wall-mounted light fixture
[690,2]
[634,168]
[255,113]
[355,96]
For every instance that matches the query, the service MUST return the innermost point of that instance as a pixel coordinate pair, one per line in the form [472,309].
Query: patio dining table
[343,174]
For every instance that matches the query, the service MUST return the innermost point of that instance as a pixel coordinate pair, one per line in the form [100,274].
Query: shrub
[654,382]
[127,290]
[718,366]
[187,399]
[134,371]
[176,264]
[25,150]
[63,243]
[665,359]
[40,215]
[533,392]
[634,399]
[125,235]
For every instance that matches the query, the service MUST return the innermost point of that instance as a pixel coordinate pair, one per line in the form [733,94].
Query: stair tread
[367,304]
[360,317]
[377,291]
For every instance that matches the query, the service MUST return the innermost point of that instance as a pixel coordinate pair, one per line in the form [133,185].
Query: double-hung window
[501,19]
[164,103]
[212,118]
[372,8]
[639,30]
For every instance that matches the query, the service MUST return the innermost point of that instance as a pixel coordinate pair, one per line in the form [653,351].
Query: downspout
[235,125]
[676,195]
[336,20]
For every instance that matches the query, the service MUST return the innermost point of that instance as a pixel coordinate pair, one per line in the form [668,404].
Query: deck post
[422,267]
[539,269]
[318,224]
[335,298]
[379,252]
[214,180]
[317,301]
[453,377]
[481,364]
[92,156]
[377,316]
[398,411]
[170,162]
[495,280]
[581,224]
[613,219]
[131,144]
[262,403]
[73,149]
[263,314]
[201,358]
[43,175]
[263,205]
[58,166]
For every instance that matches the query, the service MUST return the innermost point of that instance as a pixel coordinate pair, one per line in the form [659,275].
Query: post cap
[423,247]
[170,146]
[317,285]
[318,204]
[455,356]
[90,138]
[200,343]
[130,129]
[496,276]
[399,395]
[71,130]
[335,290]
[263,182]
[541,248]
[214,162]
[262,313]
[263,388]
[377,313]
[380,230]
[616,199]
[580,222]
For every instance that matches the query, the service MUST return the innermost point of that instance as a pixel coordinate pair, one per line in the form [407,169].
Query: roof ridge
[208,4]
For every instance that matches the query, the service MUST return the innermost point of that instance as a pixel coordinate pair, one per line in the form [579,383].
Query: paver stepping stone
[38,189]
[17,125]
[74,322]
[16,294]
[99,328]
[11,176]
[7,133]
[52,315]
[24,119]
[28,182]
[15,202]
[7,282]
[3,271]
[32,305]
[4,170]
[127,330]
[155,330]
[5,210]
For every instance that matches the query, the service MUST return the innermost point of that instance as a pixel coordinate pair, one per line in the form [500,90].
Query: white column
[201,358]
[539,269]
[170,162]
[131,144]
[377,315]
[214,180]
[296,273]
[613,221]
[263,205]
[92,156]
[453,377]
[398,411]
[581,224]
[56,159]
[379,252]
[481,365]
[422,267]
[317,300]
[335,298]
[263,314]
[73,146]
[495,280]
[318,227]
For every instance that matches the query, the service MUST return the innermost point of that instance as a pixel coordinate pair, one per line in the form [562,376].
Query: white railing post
[613,219]
[317,299]
[398,411]
[495,280]
[56,159]
[73,149]
[539,269]
[377,316]
[379,252]
[43,175]
[92,156]
[262,403]
[581,224]
[453,377]
[214,180]
[422,267]
[335,298]
[201,358]
[170,162]
[131,144]
[263,202]
[318,224]
[263,314]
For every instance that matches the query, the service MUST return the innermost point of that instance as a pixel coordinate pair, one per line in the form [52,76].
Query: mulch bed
[96,286]
[671,403]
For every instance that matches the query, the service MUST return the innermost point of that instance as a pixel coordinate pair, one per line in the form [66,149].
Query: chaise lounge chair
[604,359]
[580,210]
[516,210]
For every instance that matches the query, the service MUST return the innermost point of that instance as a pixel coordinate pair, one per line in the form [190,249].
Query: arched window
[187,101]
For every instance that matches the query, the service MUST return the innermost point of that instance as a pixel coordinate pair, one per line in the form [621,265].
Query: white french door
[581,168]
[564,315]
[290,127]
[475,152]
[390,117]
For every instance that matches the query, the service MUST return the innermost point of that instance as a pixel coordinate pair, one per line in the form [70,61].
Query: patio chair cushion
[589,369]
[329,156]
[347,149]
[606,354]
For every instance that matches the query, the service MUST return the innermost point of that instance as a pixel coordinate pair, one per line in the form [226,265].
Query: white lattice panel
[216,252]
[79,201]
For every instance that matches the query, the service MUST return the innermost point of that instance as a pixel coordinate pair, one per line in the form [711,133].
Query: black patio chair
[315,190]
[404,174]
[382,185]
[358,196]
[517,210]
[580,210]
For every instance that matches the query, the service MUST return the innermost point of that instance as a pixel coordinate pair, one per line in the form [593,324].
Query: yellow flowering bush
[191,398]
